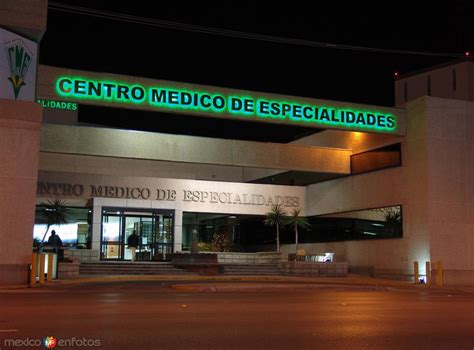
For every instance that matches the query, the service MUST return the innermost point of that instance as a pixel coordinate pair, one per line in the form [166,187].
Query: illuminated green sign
[71,106]
[166,98]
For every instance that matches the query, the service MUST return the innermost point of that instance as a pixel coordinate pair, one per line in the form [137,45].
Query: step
[248,269]
[98,272]
[137,263]
[124,266]
[129,268]
[130,271]
[262,266]
[139,272]
[253,273]
[251,269]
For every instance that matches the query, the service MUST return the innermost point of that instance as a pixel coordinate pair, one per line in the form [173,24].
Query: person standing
[133,241]
[55,241]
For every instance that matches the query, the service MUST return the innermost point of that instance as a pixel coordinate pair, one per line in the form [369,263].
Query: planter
[204,264]
[315,269]
[68,269]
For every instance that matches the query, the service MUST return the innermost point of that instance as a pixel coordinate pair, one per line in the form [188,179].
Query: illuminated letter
[158,96]
[390,122]
[61,85]
[236,104]
[94,88]
[138,93]
[203,103]
[219,102]
[306,112]
[371,119]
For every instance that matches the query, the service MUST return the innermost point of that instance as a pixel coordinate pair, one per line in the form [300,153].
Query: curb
[218,283]
[267,287]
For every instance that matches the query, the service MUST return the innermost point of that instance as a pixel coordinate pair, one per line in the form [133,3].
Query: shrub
[220,242]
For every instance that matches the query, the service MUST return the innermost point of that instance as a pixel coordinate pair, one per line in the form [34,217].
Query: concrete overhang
[103,142]
[24,17]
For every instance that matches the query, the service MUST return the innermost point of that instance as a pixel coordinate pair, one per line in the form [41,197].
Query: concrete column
[20,124]
[96,227]
[178,230]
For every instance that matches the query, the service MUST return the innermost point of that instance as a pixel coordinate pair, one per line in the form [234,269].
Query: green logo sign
[19,60]
[70,106]
[244,106]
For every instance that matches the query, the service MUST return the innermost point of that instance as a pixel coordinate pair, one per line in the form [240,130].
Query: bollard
[50,267]
[34,269]
[428,273]
[41,268]
[416,273]
[439,272]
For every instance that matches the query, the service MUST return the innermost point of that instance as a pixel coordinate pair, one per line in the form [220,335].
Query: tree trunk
[296,239]
[278,238]
[194,242]
[44,236]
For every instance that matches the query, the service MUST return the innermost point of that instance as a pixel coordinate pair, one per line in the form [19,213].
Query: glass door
[144,251]
[154,229]
[112,238]
[163,237]
[131,223]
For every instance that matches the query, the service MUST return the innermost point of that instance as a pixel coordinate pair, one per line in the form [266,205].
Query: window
[208,225]
[380,158]
[74,233]
[367,224]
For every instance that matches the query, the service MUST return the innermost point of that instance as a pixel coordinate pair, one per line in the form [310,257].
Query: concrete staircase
[251,269]
[129,268]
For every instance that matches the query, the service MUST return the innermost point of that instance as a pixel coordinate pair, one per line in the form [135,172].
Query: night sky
[97,44]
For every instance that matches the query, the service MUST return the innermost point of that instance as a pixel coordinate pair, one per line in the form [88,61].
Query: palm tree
[53,212]
[276,217]
[295,220]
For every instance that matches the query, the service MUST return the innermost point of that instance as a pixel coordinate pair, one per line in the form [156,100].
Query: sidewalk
[351,279]
[250,283]
[228,283]
[292,283]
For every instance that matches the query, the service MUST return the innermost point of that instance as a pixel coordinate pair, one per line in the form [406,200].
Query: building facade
[382,187]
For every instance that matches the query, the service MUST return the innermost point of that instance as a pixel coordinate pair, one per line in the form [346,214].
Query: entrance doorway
[153,227]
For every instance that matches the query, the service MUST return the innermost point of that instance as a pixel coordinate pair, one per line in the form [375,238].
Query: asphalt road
[150,315]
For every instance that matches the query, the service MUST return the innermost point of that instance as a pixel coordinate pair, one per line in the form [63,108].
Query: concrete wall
[405,185]
[353,141]
[248,258]
[188,195]
[442,84]
[81,254]
[25,17]
[76,163]
[106,142]
[179,203]
[435,185]
[314,269]
[450,144]
[19,151]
